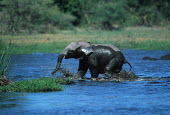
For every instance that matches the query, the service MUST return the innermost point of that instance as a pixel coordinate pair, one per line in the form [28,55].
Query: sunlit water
[148,96]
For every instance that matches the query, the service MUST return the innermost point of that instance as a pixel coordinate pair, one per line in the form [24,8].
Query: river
[151,95]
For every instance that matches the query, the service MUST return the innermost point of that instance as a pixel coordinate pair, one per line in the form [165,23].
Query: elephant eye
[70,51]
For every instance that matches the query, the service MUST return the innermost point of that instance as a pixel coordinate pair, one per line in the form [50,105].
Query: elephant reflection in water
[98,58]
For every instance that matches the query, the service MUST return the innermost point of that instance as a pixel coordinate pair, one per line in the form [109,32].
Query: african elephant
[99,59]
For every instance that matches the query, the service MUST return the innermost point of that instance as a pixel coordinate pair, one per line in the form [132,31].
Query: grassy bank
[37,85]
[141,38]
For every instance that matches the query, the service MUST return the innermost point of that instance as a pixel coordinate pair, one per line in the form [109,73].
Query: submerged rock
[149,58]
[164,57]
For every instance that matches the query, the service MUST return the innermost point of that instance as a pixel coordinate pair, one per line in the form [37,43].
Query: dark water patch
[10,101]
[168,81]
[154,82]
[8,106]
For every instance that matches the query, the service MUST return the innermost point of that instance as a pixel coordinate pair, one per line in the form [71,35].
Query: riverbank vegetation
[49,25]
[140,38]
[37,85]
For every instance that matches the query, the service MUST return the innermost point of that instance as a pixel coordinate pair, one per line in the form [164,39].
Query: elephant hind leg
[112,67]
[108,74]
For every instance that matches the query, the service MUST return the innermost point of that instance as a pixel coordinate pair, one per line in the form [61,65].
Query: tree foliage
[107,13]
[30,16]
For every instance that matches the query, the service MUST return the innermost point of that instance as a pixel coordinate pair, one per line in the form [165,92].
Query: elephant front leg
[82,70]
[93,66]
[80,73]
[94,73]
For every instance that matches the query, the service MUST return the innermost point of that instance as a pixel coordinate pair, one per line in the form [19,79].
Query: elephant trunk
[60,57]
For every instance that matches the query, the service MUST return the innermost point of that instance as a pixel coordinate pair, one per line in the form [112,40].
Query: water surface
[147,96]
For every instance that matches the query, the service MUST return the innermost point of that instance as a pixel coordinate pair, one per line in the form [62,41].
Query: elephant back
[111,46]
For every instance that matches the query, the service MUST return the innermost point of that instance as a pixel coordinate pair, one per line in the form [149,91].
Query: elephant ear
[75,45]
[87,50]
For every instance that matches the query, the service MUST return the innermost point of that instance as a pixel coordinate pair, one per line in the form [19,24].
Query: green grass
[140,38]
[51,47]
[37,85]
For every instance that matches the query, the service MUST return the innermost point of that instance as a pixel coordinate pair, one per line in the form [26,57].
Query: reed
[5,56]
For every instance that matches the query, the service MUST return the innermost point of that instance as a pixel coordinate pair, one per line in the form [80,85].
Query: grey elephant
[99,59]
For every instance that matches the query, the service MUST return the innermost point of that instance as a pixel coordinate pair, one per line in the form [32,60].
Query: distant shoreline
[138,38]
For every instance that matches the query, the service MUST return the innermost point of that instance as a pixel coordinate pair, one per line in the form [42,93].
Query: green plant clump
[36,85]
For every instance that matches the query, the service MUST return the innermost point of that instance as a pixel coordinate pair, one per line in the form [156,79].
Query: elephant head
[70,52]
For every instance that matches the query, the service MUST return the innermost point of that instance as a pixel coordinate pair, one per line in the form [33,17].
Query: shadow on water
[10,100]
[148,94]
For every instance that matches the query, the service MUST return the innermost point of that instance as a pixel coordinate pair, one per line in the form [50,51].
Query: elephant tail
[128,64]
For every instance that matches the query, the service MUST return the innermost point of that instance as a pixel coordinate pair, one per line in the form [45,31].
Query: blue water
[148,96]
